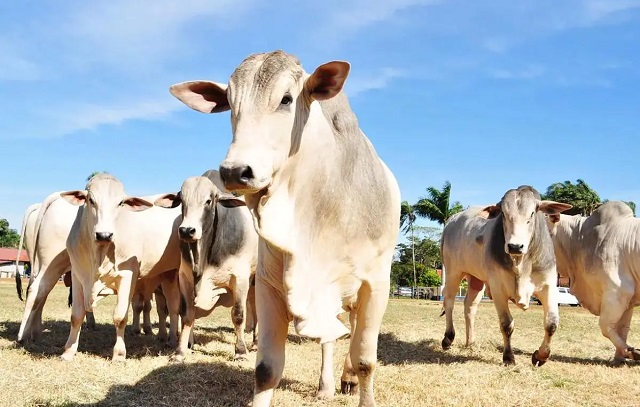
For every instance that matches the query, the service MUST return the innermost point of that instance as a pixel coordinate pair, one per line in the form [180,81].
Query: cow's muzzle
[187,233]
[104,237]
[515,248]
[236,177]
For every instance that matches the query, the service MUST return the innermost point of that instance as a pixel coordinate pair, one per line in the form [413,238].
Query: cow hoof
[325,394]
[618,361]
[148,331]
[635,354]
[348,387]
[176,358]
[508,360]
[446,343]
[537,361]
[66,357]
[137,332]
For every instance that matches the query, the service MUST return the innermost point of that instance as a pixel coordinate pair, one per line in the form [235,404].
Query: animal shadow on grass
[393,351]
[207,334]
[98,342]
[192,384]
[555,357]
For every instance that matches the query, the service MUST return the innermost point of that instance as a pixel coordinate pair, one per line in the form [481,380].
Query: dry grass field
[413,370]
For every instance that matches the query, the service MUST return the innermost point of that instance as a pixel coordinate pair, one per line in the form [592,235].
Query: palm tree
[407,219]
[435,206]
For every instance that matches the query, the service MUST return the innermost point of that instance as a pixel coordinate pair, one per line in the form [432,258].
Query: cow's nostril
[515,248]
[246,173]
[186,232]
[104,236]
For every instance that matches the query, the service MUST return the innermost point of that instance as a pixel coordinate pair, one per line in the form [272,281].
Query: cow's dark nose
[515,248]
[104,236]
[186,232]
[236,176]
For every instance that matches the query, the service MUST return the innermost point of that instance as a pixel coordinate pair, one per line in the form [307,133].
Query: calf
[507,246]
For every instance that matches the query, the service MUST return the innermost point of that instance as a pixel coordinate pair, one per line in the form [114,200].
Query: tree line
[417,260]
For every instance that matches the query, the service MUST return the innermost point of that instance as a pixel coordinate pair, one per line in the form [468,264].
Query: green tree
[436,205]
[632,205]
[584,199]
[8,237]
[407,219]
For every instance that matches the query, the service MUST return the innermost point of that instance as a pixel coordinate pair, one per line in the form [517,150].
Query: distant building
[8,262]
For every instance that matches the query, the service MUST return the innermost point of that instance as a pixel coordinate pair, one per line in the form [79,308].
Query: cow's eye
[208,202]
[91,202]
[531,216]
[286,100]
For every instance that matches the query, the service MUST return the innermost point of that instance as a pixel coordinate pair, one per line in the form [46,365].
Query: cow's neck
[95,253]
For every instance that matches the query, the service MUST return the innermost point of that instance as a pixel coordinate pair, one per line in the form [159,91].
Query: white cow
[45,240]
[114,241]
[219,254]
[324,204]
[601,256]
[507,246]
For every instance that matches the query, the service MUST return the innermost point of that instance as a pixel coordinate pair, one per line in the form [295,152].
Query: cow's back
[57,218]
[463,242]
[151,236]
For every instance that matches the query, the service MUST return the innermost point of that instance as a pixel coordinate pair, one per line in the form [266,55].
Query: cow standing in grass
[219,249]
[114,241]
[324,204]
[507,246]
[601,256]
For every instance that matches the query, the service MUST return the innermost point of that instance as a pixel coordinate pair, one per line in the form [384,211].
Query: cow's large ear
[203,96]
[327,80]
[552,207]
[490,211]
[230,201]
[76,198]
[136,204]
[168,200]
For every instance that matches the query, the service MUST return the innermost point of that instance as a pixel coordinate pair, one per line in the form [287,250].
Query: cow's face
[103,199]
[198,197]
[269,96]
[519,209]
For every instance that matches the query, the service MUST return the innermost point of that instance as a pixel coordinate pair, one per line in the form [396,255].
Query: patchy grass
[413,370]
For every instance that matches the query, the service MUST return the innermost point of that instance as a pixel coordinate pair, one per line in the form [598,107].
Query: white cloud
[597,10]
[380,80]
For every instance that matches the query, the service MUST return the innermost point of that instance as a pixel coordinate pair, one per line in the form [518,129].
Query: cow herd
[299,224]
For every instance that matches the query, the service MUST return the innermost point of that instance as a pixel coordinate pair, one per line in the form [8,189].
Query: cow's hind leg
[449,296]
[137,304]
[372,303]
[614,307]
[500,301]
[471,301]
[326,386]
[549,300]
[349,379]
[161,308]
[37,293]
[272,336]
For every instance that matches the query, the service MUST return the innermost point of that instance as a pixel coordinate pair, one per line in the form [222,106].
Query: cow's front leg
[349,379]
[126,286]
[372,303]
[77,316]
[161,308]
[239,315]
[471,301]
[449,292]
[326,386]
[501,303]
[272,316]
[188,314]
[171,292]
[549,299]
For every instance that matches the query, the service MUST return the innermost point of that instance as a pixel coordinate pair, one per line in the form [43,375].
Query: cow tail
[22,232]
[35,262]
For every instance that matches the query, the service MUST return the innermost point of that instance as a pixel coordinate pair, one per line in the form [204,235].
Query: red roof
[8,254]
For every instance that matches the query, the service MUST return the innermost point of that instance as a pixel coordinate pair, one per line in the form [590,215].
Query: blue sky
[486,94]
